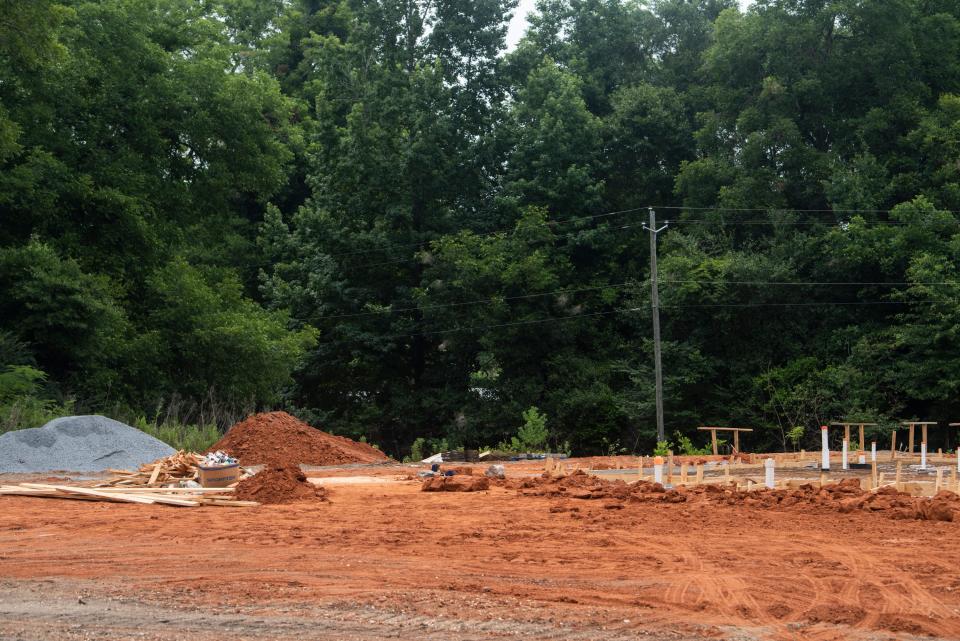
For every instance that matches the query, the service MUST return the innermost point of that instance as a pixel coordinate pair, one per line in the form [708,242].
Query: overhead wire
[627,284]
[576,290]
[552,319]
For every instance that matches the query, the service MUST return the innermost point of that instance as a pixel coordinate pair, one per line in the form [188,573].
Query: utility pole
[655,303]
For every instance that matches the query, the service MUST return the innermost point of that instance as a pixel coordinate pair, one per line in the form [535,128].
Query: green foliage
[23,402]
[188,188]
[192,438]
[795,434]
[662,448]
[424,448]
[683,445]
[533,433]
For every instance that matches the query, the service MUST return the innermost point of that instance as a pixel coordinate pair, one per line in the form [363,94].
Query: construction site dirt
[387,560]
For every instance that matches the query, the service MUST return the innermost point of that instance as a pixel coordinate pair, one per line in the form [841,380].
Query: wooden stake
[939,481]
[874,482]
[683,473]
[823,478]
[899,469]
[910,440]
[862,442]
[699,473]
[893,444]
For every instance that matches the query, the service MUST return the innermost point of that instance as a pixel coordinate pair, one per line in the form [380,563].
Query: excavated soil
[278,484]
[845,496]
[528,558]
[456,484]
[278,437]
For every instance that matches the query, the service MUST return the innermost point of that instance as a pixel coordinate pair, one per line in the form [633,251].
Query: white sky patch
[519,23]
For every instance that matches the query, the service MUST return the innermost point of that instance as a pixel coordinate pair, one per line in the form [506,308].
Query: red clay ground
[390,561]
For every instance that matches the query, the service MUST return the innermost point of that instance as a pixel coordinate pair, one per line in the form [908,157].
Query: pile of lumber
[178,467]
[178,496]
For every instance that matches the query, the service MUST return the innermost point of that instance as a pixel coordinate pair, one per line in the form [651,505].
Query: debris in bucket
[218,458]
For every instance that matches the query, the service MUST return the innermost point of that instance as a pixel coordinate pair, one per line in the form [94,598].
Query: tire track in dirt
[732,570]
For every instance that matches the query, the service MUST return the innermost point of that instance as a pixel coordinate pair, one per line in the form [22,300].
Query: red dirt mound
[845,496]
[279,437]
[456,484]
[277,484]
[580,485]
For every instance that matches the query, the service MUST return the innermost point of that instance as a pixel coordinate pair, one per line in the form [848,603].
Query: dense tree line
[372,213]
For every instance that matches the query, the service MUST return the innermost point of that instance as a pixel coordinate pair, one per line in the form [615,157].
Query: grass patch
[192,438]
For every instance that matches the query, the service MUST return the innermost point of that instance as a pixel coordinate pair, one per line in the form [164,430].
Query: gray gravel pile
[79,444]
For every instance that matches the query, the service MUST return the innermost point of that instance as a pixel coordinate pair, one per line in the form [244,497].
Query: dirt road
[387,561]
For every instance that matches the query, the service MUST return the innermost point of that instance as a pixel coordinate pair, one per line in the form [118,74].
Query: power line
[536,321]
[812,304]
[479,301]
[557,292]
[788,209]
[806,223]
[810,283]
[557,319]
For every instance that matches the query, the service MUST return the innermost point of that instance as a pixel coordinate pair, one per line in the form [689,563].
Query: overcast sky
[519,22]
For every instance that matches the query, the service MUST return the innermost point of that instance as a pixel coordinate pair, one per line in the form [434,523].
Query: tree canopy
[372,213]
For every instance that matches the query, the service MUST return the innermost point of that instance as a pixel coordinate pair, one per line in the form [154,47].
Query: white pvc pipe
[768,465]
[862,459]
[873,452]
[825,449]
[923,456]
[844,462]
[658,470]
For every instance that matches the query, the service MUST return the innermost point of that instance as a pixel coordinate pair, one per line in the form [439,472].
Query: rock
[495,472]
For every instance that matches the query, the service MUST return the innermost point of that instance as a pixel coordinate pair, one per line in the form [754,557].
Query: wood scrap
[181,497]
[173,470]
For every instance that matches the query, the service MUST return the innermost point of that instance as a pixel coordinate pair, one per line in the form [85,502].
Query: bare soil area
[379,561]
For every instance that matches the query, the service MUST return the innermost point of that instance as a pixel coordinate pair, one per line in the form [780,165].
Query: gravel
[79,444]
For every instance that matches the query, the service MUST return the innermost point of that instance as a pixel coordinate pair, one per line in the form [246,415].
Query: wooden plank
[131,498]
[156,473]
[229,503]
[38,494]
[86,491]
[165,490]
